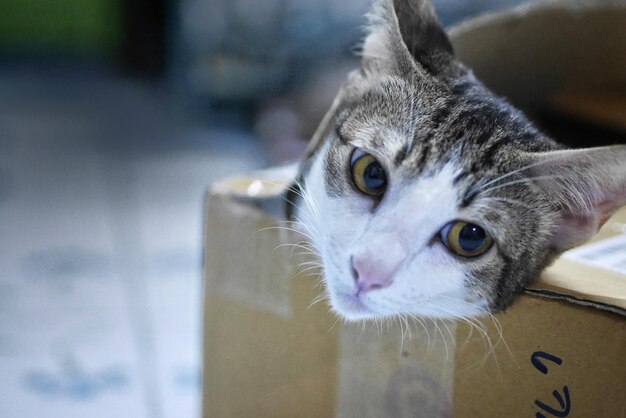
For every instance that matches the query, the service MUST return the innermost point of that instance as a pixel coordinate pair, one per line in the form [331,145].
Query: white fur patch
[427,279]
[376,47]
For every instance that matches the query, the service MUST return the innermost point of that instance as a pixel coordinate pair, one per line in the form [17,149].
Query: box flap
[592,273]
[513,53]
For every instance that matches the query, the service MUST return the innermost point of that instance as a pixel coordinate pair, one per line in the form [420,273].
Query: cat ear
[405,32]
[586,187]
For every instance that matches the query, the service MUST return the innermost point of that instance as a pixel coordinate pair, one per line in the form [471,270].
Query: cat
[426,195]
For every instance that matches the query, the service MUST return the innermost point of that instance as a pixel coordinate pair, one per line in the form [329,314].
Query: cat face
[404,229]
[427,195]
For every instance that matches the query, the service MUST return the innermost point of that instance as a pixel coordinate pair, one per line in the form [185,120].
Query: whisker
[477,325]
[524,180]
[311,263]
[285,228]
[519,170]
[510,201]
[418,319]
[443,337]
[307,227]
[320,298]
[301,272]
[294,245]
[334,323]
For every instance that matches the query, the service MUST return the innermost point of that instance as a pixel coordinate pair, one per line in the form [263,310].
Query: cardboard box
[269,351]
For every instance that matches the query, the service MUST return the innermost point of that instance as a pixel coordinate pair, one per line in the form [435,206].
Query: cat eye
[368,175]
[465,239]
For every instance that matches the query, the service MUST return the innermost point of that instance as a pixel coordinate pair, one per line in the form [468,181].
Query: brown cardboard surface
[585,282]
[607,108]
[260,365]
[261,358]
[590,343]
[545,50]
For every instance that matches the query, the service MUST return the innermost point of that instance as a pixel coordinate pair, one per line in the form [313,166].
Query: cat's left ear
[586,187]
[403,33]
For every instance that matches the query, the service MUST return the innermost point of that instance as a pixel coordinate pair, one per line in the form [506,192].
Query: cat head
[427,195]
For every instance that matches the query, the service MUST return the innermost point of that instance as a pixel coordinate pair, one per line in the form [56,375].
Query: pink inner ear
[574,229]
[608,207]
[589,185]
[603,220]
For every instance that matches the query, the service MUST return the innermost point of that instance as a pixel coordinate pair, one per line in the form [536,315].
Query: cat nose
[371,274]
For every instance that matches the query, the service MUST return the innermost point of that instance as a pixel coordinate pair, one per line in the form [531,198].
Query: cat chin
[353,308]
[360,313]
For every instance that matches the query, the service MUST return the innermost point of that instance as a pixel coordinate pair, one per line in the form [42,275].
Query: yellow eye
[465,239]
[368,175]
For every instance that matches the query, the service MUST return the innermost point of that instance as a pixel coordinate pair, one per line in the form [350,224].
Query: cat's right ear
[585,186]
[406,34]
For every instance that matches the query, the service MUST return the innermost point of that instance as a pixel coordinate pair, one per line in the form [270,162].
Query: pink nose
[370,273]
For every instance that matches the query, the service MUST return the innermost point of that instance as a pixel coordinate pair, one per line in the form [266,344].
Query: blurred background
[115,117]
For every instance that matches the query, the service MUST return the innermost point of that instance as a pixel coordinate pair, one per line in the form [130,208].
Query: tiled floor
[101,191]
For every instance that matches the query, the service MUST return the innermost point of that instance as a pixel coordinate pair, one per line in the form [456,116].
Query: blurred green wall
[73,27]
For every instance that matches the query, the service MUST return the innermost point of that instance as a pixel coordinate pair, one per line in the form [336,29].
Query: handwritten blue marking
[536,357]
[565,404]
